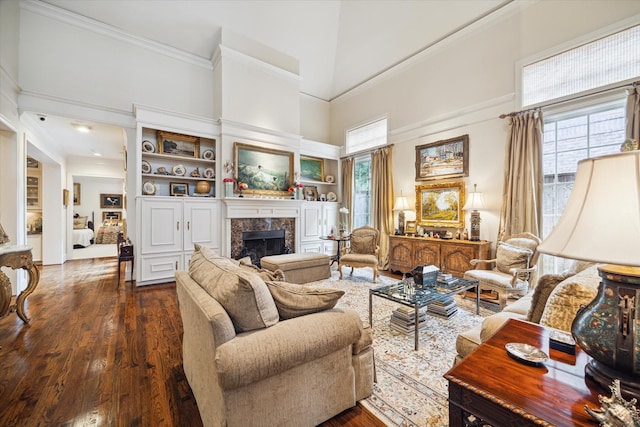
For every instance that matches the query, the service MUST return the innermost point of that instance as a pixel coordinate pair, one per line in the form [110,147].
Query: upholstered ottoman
[299,268]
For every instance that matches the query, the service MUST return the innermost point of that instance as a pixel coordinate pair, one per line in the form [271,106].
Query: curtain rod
[626,85]
[369,151]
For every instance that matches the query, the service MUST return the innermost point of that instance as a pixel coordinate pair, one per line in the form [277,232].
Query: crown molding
[97,27]
[258,134]
[179,122]
[227,52]
[467,116]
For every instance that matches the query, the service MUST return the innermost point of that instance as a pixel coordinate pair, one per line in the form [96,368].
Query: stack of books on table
[444,308]
[446,279]
[403,319]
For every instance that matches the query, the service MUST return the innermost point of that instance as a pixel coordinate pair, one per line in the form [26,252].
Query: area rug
[410,388]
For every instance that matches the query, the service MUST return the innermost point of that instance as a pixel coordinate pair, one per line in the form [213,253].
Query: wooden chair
[362,251]
[514,267]
[125,253]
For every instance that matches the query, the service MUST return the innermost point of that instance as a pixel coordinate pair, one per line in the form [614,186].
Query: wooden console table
[17,257]
[450,256]
[501,391]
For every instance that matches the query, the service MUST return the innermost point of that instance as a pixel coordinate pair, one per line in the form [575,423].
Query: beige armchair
[514,267]
[362,251]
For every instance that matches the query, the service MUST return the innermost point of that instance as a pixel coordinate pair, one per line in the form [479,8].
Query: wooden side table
[338,239]
[492,386]
[17,257]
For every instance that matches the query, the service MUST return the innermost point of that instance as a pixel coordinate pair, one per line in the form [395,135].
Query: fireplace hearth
[240,226]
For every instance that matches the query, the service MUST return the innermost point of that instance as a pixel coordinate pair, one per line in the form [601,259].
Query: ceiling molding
[258,134]
[98,27]
[227,52]
[181,122]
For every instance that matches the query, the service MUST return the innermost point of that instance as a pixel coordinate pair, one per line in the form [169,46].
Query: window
[362,138]
[568,138]
[362,193]
[366,137]
[605,61]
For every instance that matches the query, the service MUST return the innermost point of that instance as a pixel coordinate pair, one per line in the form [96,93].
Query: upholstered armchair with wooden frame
[514,267]
[364,245]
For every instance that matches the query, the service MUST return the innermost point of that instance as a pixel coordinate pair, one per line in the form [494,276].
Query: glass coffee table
[406,293]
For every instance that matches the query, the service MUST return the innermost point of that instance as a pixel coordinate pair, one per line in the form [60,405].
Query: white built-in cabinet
[316,221]
[169,229]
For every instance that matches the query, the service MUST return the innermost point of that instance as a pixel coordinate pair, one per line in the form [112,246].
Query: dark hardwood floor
[101,354]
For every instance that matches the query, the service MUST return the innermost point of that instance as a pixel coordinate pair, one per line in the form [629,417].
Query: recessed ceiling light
[97,154]
[81,128]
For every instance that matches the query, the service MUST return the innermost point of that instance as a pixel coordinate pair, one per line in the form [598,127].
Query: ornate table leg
[34,277]
[5,294]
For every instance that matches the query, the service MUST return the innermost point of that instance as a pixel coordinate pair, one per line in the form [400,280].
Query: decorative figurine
[195,173]
[162,171]
[615,411]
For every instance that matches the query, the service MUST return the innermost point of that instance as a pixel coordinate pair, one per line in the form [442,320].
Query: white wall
[462,85]
[90,189]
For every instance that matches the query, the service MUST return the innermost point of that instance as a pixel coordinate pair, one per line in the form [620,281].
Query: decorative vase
[299,193]
[228,189]
[203,187]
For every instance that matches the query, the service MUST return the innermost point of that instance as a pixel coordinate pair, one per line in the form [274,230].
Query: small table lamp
[474,202]
[401,205]
[601,223]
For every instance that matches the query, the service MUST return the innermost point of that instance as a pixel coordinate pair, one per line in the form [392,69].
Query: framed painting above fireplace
[265,171]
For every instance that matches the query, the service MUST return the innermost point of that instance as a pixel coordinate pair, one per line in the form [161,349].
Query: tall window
[366,137]
[569,138]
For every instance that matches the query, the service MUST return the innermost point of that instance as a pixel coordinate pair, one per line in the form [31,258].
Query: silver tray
[526,352]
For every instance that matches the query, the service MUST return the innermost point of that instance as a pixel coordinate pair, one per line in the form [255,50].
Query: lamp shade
[601,221]
[401,204]
[474,202]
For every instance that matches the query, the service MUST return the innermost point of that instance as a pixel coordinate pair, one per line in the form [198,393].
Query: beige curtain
[348,165]
[382,200]
[522,192]
[633,114]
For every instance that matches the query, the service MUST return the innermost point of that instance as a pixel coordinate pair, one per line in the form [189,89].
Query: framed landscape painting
[311,168]
[440,205]
[443,159]
[177,144]
[265,171]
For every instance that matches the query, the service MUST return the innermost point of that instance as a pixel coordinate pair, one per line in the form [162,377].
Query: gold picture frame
[111,201]
[410,227]
[311,169]
[448,158]
[265,171]
[111,216]
[440,205]
[65,197]
[177,144]
[76,193]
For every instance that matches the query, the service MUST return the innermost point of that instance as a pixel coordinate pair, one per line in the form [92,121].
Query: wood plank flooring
[102,354]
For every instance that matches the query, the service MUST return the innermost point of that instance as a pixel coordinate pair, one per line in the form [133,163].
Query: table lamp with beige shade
[401,205]
[601,223]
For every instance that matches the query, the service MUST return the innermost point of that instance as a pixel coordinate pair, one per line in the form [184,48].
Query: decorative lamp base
[475,226]
[401,223]
[605,329]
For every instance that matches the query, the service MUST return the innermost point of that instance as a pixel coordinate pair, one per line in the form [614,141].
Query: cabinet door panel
[160,267]
[456,258]
[400,255]
[314,247]
[329,218]
[426,253]
[311,221]
[199,227]
[162,226]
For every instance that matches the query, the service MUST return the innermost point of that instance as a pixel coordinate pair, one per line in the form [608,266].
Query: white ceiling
[339,44]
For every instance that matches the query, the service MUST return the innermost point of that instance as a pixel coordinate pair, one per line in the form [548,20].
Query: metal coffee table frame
[419,298]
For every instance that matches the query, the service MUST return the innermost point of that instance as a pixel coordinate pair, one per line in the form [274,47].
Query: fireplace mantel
[262,207]
[250,207]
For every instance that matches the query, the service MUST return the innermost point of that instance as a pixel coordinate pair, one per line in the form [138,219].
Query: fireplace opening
[256,244]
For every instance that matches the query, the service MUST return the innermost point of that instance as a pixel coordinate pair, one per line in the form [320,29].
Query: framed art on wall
[76,193]
[264,170]
[117,216]
[440,205]
[179,189]
[443,159]
[111,201]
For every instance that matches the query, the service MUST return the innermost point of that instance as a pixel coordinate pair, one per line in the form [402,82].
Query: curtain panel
[633,114]
[382,200]
[348,165]
[522,191]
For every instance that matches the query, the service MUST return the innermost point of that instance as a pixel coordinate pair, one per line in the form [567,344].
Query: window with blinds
[608,60]
[366,137]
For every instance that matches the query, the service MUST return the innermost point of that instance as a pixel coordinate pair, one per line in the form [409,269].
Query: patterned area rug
[410,390]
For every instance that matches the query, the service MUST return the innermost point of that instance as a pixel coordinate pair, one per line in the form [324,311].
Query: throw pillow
[363,243]
[546,284]
[246,264]
[296,300]
[244,295]
[79,223]
[508,257]
[568,297]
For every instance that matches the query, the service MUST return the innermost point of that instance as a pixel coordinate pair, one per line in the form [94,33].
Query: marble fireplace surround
[254,214]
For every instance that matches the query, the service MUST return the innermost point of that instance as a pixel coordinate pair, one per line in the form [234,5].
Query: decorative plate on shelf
[148,147]
[148,188]
[209,155]
[329,179]
[146,167]
[179,170]
[331,196]
[526,352]
[209,173]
